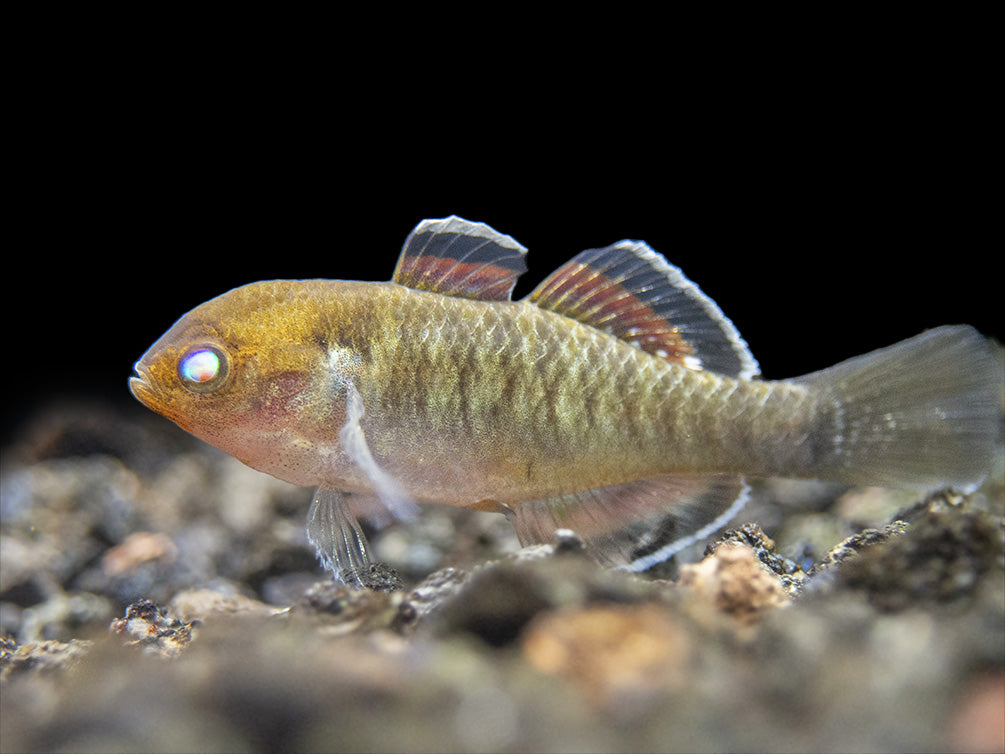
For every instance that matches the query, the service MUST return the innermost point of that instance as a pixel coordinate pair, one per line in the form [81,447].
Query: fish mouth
[146,393]
[141,389]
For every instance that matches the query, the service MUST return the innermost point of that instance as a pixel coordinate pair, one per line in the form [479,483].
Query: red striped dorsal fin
[633,293]
[456,257]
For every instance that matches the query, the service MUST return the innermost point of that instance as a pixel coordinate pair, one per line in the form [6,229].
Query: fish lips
[141,388]
[146,393]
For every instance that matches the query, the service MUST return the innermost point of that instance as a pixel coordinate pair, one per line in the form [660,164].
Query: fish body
[616,399]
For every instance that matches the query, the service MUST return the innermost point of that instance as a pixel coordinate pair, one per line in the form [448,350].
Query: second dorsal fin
[633,293]
[456,257]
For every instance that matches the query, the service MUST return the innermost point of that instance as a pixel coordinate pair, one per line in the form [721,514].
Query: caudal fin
[926,412]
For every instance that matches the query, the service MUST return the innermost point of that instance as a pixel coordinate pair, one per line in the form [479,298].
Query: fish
[616,399]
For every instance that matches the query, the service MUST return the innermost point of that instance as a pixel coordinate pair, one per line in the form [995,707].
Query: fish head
[249,373]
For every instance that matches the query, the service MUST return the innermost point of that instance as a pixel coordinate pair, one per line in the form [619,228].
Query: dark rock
[941,557]
[229,636]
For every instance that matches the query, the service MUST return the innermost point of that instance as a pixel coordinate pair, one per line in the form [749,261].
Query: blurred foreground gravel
[156,595]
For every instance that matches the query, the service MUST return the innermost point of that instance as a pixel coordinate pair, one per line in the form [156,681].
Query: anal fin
[634,526]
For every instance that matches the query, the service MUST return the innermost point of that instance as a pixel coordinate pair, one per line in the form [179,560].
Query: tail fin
[926,412]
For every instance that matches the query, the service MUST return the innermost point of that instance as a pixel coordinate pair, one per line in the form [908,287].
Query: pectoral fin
[332,527]
[636,525]
[354,444]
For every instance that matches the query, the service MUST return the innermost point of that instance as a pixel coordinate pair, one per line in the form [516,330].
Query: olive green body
[467,401]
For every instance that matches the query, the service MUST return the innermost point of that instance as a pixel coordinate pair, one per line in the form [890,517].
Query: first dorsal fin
[456,257]
[633,293]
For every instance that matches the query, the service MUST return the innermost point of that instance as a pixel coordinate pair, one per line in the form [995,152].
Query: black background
[825,220]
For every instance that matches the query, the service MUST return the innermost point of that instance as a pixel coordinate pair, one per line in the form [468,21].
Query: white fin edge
[749,367]
[671,549]
[459,225]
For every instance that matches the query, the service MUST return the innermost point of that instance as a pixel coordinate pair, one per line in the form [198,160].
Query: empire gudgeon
[616,399]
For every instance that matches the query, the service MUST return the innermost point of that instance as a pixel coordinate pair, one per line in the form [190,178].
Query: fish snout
[140,387]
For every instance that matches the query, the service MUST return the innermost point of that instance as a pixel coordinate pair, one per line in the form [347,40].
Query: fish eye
[203,369]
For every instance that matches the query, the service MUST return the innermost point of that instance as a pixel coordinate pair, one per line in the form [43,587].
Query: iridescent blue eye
[203,368]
